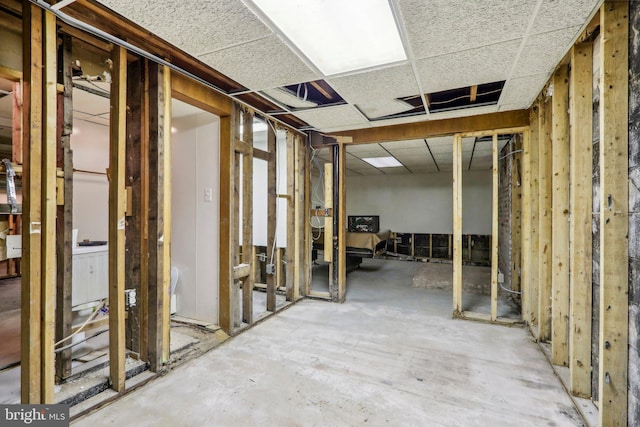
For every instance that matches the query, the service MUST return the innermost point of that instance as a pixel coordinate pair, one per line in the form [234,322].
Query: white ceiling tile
[371,85]
[411,143]
[382,107]
[522,91]
[395,171]
[331,117]
[464,112]
[346,127]
[261,64]
[401,120]
[437,27]
[195,26]
[543,52]
[555,14]
[485,64]
[440,141]
[365,149]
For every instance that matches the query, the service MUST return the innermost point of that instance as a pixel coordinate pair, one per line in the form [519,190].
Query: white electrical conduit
[115,40]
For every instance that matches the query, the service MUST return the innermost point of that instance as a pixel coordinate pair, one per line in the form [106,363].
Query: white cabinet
[90,274]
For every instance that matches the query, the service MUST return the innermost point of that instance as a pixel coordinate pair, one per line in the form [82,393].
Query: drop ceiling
[450,44]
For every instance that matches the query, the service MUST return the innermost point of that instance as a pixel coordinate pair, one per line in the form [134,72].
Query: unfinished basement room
[320,212]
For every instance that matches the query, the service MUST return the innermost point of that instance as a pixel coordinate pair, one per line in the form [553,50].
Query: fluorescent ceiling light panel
[338,35]
[383,162]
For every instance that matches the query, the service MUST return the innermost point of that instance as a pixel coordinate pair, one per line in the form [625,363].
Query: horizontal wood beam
[431,128]
[194,93]
[241,271]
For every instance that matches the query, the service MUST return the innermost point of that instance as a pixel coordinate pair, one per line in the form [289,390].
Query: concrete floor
[391,355]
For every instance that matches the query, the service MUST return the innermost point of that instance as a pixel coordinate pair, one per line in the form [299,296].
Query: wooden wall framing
[560,219]
[614,212]
[458,308]
[580,249]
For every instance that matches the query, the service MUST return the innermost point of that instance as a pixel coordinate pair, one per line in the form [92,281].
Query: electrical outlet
[208,194]
[271,269]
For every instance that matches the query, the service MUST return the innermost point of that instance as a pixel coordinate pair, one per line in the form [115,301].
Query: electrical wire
[86,322]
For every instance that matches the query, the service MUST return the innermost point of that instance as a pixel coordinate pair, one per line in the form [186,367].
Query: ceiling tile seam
[368,164]
[469,49]
[273,27]
[398,160]
[432,157]
[525,38]
[397,14]
[233,45]
[359,111]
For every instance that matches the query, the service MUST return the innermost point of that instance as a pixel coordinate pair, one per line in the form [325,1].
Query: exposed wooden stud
[526,220]
[247,217]
[580,279]
[614,211]
[536,140]
[474,93]
[31,207]
[494,232]
[17,114]
[300,250]
[159,237]
[342,222]
[227,299]
[164,242]
[431,128]
[544,223]
[321,90]
[271,214]
[457,225]
[516,213]
[292,288]
[134,212]
[308,242]
[560,219]
[64,242]
[117,219]
[49,207]
[328,220]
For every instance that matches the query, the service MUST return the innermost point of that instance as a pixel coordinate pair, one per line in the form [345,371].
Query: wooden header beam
[431,128]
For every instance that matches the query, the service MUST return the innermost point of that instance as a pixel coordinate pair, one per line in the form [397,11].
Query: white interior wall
[90,145]
[422,203]
[260,192]
[195,214]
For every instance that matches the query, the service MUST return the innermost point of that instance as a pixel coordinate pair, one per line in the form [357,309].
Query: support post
[614,211]
[271,215]
[117,198]
[560,219]
[228,303]
[545,235]
[31,205]
[494,232]
[64,242]
[457,225]
[134,260]
[49,207]
[292,287]
[525,231]
[159,237]
[534,282]
[342,220]
[247,217]
[580,281]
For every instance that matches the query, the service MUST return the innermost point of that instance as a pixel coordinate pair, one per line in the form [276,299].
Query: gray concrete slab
[391,355]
